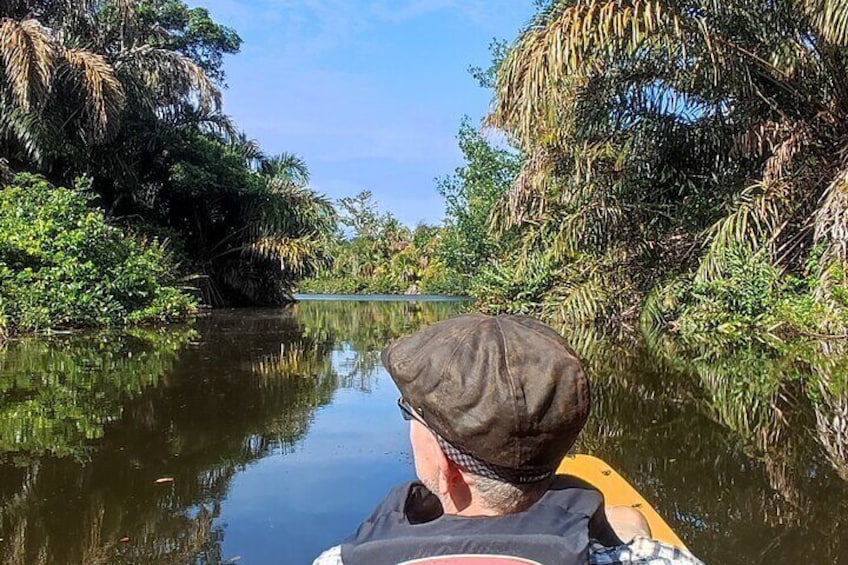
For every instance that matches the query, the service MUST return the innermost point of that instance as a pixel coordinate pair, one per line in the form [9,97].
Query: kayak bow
[618,492]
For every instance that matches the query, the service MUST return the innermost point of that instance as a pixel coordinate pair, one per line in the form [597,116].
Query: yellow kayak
[618,492]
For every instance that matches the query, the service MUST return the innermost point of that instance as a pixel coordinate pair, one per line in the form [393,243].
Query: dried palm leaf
[831,223]
[104,92]
[527,198]
[830,17]
[28,56]
[295,254]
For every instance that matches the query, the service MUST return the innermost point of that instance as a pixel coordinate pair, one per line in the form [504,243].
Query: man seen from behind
[494,404]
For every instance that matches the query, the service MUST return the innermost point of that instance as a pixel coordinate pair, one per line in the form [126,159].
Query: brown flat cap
[507,390]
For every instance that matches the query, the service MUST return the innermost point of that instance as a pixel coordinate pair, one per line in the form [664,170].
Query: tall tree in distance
[471,194]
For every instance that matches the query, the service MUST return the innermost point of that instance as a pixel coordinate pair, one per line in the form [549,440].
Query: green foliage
[513,285]
[62,265]
[381,256]
[665,141]
[751,300]
[127,94]
[251,233]
[487,77]
[470,196]
[190,31]
[60,393]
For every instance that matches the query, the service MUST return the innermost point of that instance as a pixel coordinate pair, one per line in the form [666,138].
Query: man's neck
[469,506]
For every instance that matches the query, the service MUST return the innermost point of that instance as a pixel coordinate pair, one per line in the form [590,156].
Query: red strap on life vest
[471,560]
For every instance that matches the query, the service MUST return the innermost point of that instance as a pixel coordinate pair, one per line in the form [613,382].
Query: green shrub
[752,299]
[63,266]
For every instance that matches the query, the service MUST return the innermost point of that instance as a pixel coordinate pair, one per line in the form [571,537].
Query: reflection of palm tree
[832,426]
[829,394]
[752,392]
[711,436]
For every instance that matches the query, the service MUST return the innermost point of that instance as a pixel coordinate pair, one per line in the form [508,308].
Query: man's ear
[449,474]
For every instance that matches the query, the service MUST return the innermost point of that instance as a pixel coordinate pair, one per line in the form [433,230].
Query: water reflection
[744,450]
[55,394]
[91,422]
[365,328]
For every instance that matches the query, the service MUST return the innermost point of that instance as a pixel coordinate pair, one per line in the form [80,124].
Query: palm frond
[755,222]
[830,18]
[28,55]
[286,167]
[25,128]
[582,302]
[831,220]
[295,254]
[104,92]
[784,155]
[567,42]
[6,176]
[248,149]
[207,120]
[760,139]
[173,77]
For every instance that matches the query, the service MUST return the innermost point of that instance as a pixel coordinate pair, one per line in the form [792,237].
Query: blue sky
[369,92]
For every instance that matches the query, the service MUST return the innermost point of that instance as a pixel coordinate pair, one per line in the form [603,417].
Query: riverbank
[62,265]
[381,297]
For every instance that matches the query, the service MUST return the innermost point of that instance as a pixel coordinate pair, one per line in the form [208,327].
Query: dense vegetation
[678,162]
[682,170]
[371,252]
[61,264]
[127,96]
[682,160]
[674,164]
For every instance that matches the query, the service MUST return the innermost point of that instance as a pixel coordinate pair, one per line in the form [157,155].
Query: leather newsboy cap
[506,389]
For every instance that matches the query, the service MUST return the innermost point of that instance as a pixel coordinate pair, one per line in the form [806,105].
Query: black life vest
[409,525]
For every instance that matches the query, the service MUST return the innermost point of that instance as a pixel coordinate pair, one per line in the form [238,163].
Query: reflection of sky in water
[282,427]
[288,508]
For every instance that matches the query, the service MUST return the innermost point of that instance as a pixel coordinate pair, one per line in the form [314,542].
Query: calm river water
[265,436]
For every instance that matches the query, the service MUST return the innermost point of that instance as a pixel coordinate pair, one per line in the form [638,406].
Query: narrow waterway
[264,436]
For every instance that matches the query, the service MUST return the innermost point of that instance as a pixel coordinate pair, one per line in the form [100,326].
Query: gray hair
[508,498]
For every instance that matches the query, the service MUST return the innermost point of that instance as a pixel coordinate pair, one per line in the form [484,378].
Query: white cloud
[313,27]
[367,105]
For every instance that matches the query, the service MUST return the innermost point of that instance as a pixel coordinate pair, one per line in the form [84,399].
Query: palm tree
[285,168]
[278,233]
[670,132]
[69,70]
[38,74]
